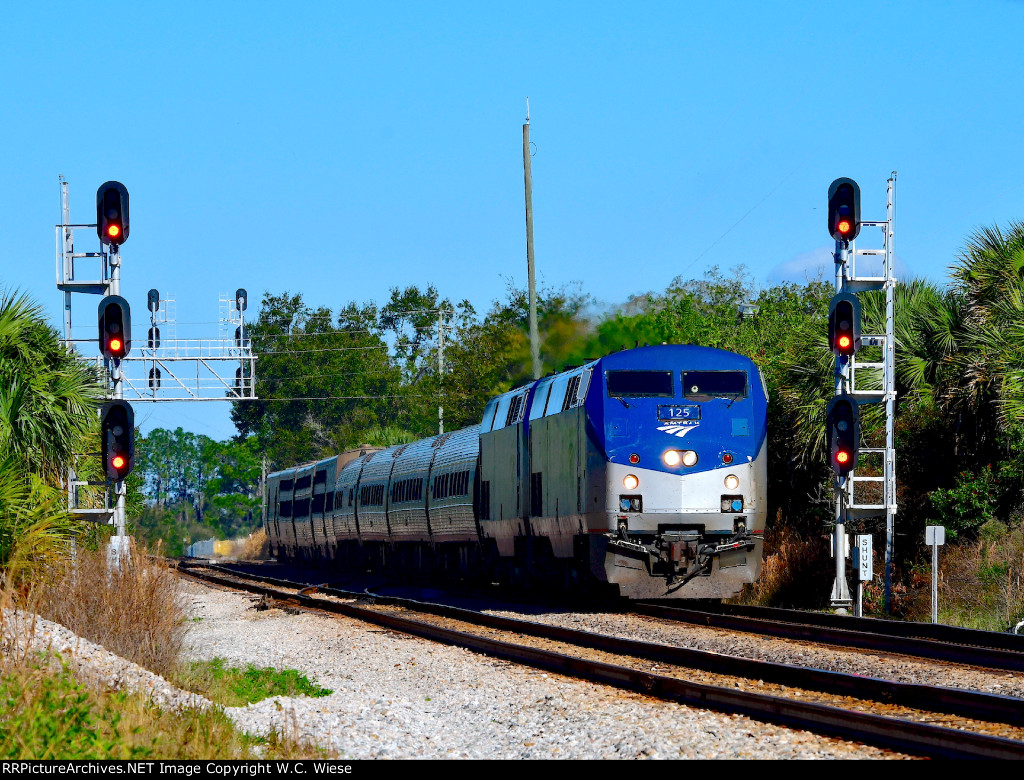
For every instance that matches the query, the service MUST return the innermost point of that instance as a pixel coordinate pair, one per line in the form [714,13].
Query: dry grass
[256,547]
[136,611]
[981,583]
[791,564]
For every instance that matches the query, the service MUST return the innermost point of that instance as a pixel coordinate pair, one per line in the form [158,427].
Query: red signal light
[843,457]
[118,462]
[844,227]
[845,342]
[115,345]
[113,231]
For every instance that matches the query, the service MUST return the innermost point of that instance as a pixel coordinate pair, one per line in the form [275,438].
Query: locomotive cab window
[639,384]
[705,385]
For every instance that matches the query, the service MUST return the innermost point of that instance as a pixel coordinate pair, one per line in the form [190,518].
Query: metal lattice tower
[850,504]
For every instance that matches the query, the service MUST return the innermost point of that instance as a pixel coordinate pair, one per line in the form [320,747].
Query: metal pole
[117,375]
[840,589]
[528,177]
[935,583]
[68,273]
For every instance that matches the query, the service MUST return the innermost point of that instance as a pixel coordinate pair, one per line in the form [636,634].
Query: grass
[235,687]
[48,714]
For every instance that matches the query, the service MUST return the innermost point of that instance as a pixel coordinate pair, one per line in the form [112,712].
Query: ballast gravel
[866,663]
[397,696]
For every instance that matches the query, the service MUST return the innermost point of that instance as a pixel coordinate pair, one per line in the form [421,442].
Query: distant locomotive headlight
[630,482]
[672,458]
[732,482]
[689,458]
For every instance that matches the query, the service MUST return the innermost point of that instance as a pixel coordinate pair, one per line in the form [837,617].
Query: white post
[935,535]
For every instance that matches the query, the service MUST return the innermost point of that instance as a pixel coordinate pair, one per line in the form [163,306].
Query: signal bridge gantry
[169,368]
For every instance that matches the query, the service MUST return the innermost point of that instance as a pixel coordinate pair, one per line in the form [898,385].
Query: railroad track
[977,725]
[984,649]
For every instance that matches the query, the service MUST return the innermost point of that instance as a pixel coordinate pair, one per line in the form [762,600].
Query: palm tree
[48,398]
[986,371]
[48,402]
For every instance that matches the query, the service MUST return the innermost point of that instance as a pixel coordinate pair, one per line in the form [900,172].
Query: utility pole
[263,491]
[528,176]
[440,369]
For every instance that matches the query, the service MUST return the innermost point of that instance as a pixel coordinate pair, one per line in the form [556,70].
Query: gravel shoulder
[397,696]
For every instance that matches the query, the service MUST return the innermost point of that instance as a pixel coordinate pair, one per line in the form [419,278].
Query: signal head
[115,327]
[117,439]
[844,324]
[844,209]
[112,213]
[842,432]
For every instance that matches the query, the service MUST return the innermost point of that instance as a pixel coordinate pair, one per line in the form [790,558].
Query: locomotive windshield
[705,385]
[635,384]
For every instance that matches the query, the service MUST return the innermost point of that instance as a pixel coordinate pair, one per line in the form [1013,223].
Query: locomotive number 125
[679,413]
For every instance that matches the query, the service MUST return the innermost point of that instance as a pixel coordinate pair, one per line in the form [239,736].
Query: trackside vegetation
[55,566]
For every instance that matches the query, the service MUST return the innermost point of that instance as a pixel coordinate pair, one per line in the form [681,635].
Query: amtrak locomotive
[643,472]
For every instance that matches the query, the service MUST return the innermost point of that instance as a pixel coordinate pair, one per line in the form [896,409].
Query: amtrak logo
[677,430]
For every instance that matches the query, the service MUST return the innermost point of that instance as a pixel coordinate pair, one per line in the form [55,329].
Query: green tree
[320,381]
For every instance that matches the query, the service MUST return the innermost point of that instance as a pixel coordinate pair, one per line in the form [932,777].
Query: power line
[326,349]
[737,222]
[337,398]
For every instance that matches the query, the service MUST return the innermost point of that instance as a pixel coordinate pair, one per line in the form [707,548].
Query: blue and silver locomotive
[644,470]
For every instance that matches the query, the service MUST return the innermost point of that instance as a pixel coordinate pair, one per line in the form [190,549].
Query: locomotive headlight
[732,482]
[672,458]
[689,458]
[630,482]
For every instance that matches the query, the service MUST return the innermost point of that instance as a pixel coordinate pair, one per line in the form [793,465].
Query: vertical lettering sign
[864,558]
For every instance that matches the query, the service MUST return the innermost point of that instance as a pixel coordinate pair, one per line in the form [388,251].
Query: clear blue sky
[339,149]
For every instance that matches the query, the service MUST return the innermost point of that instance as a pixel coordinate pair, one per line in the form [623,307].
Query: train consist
[644,470]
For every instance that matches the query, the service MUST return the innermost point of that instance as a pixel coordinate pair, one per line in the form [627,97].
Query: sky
[339,149]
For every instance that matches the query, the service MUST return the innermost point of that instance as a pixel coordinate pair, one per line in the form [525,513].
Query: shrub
[256,547]
[966,506]
[794,570]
